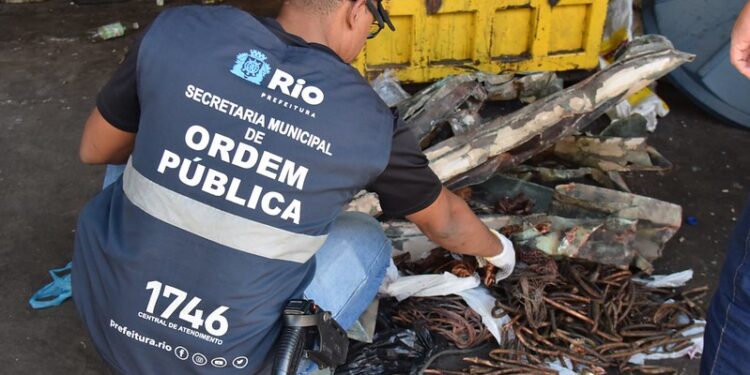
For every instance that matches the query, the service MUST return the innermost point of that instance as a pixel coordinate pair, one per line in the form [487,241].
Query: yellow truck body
[486,35]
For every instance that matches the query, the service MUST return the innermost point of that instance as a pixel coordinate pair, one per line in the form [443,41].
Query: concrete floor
[49,76]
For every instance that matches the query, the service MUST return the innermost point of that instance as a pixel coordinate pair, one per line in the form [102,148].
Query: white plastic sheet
[562,369]
[388,88]
[403,287]
[691,351]
[673,280]
[645,103]
[478,298]
[481,301]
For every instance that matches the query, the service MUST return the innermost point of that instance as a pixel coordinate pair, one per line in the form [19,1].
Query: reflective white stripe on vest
[216,225]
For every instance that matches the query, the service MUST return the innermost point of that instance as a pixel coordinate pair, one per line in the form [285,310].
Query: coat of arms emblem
[251,66]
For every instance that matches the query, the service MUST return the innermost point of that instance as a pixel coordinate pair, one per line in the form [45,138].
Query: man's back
[247,148]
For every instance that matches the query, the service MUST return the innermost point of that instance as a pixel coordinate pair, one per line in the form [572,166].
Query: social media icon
[200,359]
[219,362]
[240,362]
[181,353]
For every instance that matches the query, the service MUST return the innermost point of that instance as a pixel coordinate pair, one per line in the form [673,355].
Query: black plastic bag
[393,351]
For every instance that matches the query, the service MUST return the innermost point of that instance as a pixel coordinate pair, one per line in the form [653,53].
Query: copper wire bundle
[448,316]
[594,315]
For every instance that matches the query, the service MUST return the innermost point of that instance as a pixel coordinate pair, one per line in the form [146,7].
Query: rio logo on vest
[253,67]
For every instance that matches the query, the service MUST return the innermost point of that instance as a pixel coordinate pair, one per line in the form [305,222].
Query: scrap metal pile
[573,302]
[584,315]
[595,316]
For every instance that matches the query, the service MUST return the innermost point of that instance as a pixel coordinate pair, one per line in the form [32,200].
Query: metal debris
[501,187]
[589,315]
[610,180]
[507,141]
[540,124]
[527,88]
[657,221]
[634,125]
[573,220]
[519,204]
[609,240]
[455,100]
[572,303]
[611,154]
[438,261]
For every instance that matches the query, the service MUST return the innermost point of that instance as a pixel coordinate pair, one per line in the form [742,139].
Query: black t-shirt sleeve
[407,185]
[118,100]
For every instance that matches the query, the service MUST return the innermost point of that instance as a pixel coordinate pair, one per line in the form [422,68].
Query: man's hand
[506,260]
[450,223]
[740,51]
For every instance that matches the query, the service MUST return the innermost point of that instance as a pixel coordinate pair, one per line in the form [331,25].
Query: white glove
[506,260]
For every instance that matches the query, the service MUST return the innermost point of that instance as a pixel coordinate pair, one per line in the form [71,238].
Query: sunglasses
[381,18]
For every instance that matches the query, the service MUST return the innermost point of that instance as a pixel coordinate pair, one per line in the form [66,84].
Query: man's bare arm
[102,143]
[450,223]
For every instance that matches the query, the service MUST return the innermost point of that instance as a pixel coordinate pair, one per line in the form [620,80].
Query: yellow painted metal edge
[420,71]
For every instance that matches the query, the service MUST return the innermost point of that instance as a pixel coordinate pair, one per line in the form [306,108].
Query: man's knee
[367,230]
[363,224]
[350,267]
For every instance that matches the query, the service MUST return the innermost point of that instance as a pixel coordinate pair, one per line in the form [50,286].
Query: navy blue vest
[247,150]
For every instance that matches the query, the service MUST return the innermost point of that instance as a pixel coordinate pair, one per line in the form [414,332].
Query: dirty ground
[49,76]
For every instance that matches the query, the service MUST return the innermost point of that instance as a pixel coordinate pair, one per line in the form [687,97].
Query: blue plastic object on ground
[692,220]
[56,292]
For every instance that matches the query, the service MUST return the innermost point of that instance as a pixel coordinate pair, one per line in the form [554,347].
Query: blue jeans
[727,338]
[349,267]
